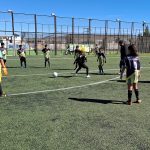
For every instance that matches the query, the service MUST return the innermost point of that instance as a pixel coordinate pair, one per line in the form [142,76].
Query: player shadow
[13,67]
[62,69]
[94,73]
[101,101]
[37,67]
[123,81]
[62,76]
[144,81]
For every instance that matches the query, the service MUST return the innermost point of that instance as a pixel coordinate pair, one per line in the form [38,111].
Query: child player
[4,52]
[101,58]
[22,55]
[80,60]
[76,55]
[46,52]
[132,65]
[2,67]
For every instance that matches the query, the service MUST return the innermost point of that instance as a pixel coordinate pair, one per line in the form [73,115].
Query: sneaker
[138,101]
[88,76]
[3,95]
[129,102]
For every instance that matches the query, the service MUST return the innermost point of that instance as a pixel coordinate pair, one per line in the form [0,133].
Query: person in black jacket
[81,60]
[123,54]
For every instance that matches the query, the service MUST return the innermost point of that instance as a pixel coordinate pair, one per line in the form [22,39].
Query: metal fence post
[72,30]
[35,40]
[13,32]
[89,32]
[55,33]
[106,30]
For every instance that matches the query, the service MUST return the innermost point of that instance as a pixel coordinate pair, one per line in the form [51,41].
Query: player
[101,58]
[80,60]
[123,54]
[4,52]
[2,67]
[76,55]
[96,49]
[132,65]
[46,52]
[22,55]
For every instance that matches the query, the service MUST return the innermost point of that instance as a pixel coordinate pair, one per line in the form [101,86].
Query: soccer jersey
[101,57]
[132,64]
[81,59]
[46,52]
[21,52]
[3,50]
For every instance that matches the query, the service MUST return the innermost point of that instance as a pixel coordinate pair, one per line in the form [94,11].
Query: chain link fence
[34,31]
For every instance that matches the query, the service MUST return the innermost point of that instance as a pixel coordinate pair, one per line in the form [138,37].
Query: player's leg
[130,88]
[25,63]
[45,62]
[79,68]
[48,62]
[4,61]
[21,61]
[87,69]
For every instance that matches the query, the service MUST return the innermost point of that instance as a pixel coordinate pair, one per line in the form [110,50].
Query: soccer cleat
[138,101]
[129,102]
[88,76]
[3,95]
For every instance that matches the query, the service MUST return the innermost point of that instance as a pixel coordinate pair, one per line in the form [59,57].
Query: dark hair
[121,42]
[132,50]
[2,43]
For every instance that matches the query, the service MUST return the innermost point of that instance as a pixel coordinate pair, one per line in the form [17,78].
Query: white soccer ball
[55,74]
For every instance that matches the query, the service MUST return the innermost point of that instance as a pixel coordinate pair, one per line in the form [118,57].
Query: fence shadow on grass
[101,101]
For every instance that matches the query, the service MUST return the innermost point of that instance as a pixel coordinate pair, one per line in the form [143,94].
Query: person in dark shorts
[132,65]
[46,52]
[81,60]
[22,55]
[123,54]
[101,58]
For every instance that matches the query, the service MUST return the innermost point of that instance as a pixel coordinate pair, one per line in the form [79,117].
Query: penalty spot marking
[63,89]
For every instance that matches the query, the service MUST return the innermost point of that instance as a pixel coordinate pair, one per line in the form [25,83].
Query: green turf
[89,118]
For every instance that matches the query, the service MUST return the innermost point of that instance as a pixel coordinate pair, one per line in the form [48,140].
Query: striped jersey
[132,64]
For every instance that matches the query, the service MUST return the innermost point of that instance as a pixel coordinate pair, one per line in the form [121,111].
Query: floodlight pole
[132,30]
[55,32]
[13,31]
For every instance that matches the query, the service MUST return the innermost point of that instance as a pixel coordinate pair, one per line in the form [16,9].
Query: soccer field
[72,112]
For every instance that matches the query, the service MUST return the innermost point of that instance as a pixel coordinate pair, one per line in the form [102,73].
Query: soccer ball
[55,74]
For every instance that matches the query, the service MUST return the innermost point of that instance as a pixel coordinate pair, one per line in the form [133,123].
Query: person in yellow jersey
[5,72]
[101,58]
[46,52]
[4,52]
[22,55]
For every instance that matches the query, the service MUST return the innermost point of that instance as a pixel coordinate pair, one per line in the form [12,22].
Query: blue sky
[127,10]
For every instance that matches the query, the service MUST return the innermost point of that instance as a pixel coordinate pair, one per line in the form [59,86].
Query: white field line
[62,89]
[45,74]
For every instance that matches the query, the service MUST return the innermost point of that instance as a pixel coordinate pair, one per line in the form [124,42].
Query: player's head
[20,46]
[121,42]
[45,45]
[2,44]
[77,47]
[132,50]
